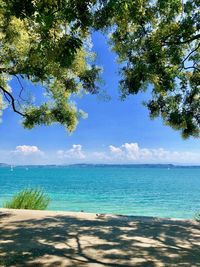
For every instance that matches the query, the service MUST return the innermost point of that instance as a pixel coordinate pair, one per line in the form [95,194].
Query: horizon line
[103,164]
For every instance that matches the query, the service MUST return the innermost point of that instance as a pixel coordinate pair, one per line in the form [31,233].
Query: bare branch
[191,67]
[22,88]
[190,53]
[12,100]
[6,97]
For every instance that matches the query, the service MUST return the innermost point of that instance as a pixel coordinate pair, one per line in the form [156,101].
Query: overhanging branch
[12,101]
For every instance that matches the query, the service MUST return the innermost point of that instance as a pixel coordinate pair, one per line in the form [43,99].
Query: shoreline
[84,214]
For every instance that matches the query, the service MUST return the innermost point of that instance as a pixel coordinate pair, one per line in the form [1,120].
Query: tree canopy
[157,43]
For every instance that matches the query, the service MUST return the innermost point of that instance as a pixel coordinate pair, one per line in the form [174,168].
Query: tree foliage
[47,42]
[157,42]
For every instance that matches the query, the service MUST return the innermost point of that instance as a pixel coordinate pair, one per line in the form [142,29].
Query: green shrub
[197,216]
[33,199]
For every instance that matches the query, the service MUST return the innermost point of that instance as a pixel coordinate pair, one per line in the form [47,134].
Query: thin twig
[190,53]
[6,97]
[22,88]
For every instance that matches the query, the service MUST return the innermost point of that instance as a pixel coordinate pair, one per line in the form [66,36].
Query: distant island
[82,165]
[4,165]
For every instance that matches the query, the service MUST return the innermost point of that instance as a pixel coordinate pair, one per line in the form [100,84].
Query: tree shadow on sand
[103,241]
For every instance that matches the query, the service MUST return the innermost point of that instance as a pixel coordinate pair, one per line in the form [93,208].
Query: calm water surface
[159,192]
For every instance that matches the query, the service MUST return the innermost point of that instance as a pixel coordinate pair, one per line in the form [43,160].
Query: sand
[47,238]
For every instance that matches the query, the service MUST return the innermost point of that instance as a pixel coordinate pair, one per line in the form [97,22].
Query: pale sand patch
[47,238]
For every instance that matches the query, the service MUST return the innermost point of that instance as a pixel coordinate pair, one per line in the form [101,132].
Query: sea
[146,190]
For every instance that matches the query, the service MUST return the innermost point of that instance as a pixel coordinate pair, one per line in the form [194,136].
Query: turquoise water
[162,192]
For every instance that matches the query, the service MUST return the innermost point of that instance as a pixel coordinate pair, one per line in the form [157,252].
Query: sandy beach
[48,238]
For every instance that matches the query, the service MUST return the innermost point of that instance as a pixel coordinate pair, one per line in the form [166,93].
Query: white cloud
[132,150]
[132,153]
[27,150]
[75,152]
[23,154]
[116,151]
[125,153]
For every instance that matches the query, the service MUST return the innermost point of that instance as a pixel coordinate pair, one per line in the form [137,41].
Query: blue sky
[114,132]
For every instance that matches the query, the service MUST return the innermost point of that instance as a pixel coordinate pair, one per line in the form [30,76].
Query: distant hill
[4,165]
[82,165]
[168,166]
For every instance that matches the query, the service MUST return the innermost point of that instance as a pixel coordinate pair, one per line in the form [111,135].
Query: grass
[197,216]
[31,198]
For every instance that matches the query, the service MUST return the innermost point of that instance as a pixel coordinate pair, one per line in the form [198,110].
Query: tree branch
[12,100]
[191,53]
[22,88]
[195,49]
[195,37]
[191,67]
[6,97]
